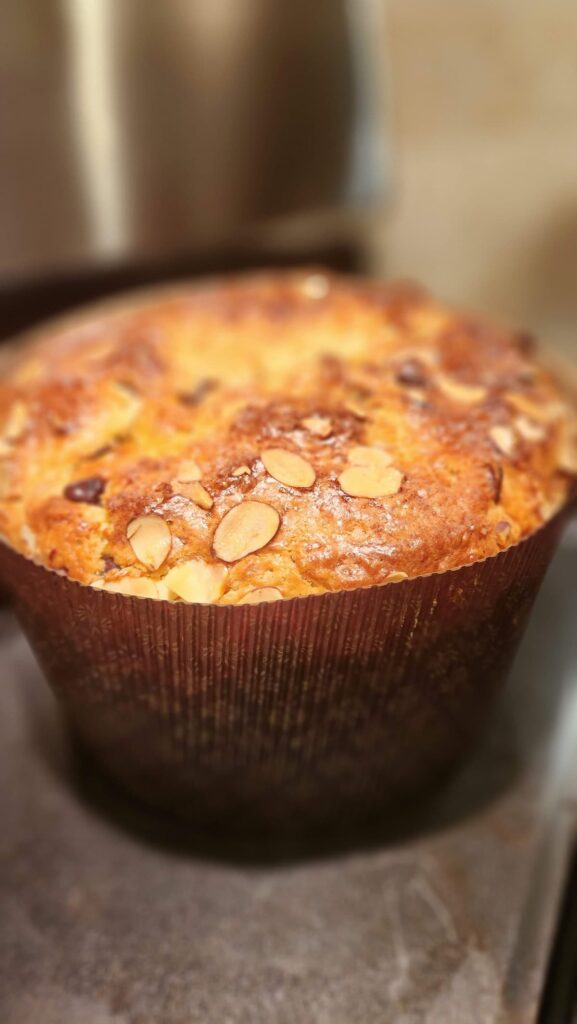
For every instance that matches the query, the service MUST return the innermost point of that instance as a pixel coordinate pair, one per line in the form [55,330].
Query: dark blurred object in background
[145,141]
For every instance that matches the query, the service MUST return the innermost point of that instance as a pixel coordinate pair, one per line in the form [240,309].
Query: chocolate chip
[88,490]
[201,390]
[108,563]
[412,374]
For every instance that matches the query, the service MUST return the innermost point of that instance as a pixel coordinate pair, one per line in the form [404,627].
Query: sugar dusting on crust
[277,435]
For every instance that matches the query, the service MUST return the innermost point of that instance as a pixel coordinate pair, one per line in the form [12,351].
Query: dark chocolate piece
[89,490]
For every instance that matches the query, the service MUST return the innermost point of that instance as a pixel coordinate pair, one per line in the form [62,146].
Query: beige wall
[484,103]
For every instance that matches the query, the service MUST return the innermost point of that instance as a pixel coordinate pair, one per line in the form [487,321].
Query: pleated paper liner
[304,714]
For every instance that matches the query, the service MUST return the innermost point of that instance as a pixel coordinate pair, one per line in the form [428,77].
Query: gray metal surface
[138,131]
[106,919]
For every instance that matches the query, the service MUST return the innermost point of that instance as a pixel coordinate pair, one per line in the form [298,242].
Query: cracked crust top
[277,435]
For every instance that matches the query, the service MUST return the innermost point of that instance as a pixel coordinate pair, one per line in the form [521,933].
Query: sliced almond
[241,471]
[543,412]
[132,586]
[529,430]
[5,480]
[370,482]
[189,470]
[16,422]
[260,595]
[162,591]
[150,539]
[122,411]
[369,456]
[504,440]
[416,395]
[468,394]
[28,538]
[245,528]
[288,468]
[316,286]
[567,456]
[549,506]
[195,491]
[356,410]
[428,320]
[197,581]
[319,425]
[396,577]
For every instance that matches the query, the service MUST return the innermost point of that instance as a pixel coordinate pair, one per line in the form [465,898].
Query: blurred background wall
[145,141]
[484,110]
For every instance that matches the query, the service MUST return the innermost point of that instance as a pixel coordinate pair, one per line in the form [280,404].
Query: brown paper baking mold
[299,715]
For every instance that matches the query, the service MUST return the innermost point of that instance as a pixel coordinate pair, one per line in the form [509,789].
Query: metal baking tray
[108,917]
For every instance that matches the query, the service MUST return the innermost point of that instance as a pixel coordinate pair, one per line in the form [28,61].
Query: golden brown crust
[425,439]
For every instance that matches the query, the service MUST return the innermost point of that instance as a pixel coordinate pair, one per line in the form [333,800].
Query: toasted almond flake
[417,395]
[428,320]
[396,577]
[133,586]
[245,528]
[554,411]
[288,468]
[370,482]
[150,539]
[5,480]
[197,581]
[356,410]
[122,411]
[28,538]
[369,456]
[529,430]
[16,422]
[543,412]
[260,595]
[568,462]
[315,286]
[504,440]
[549,506]
[195,491]
[567,455]
[241,471]
[319,425]
[189,470]
[468,394]
[162,591]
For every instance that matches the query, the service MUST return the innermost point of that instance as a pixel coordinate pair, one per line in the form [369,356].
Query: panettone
[275,436]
